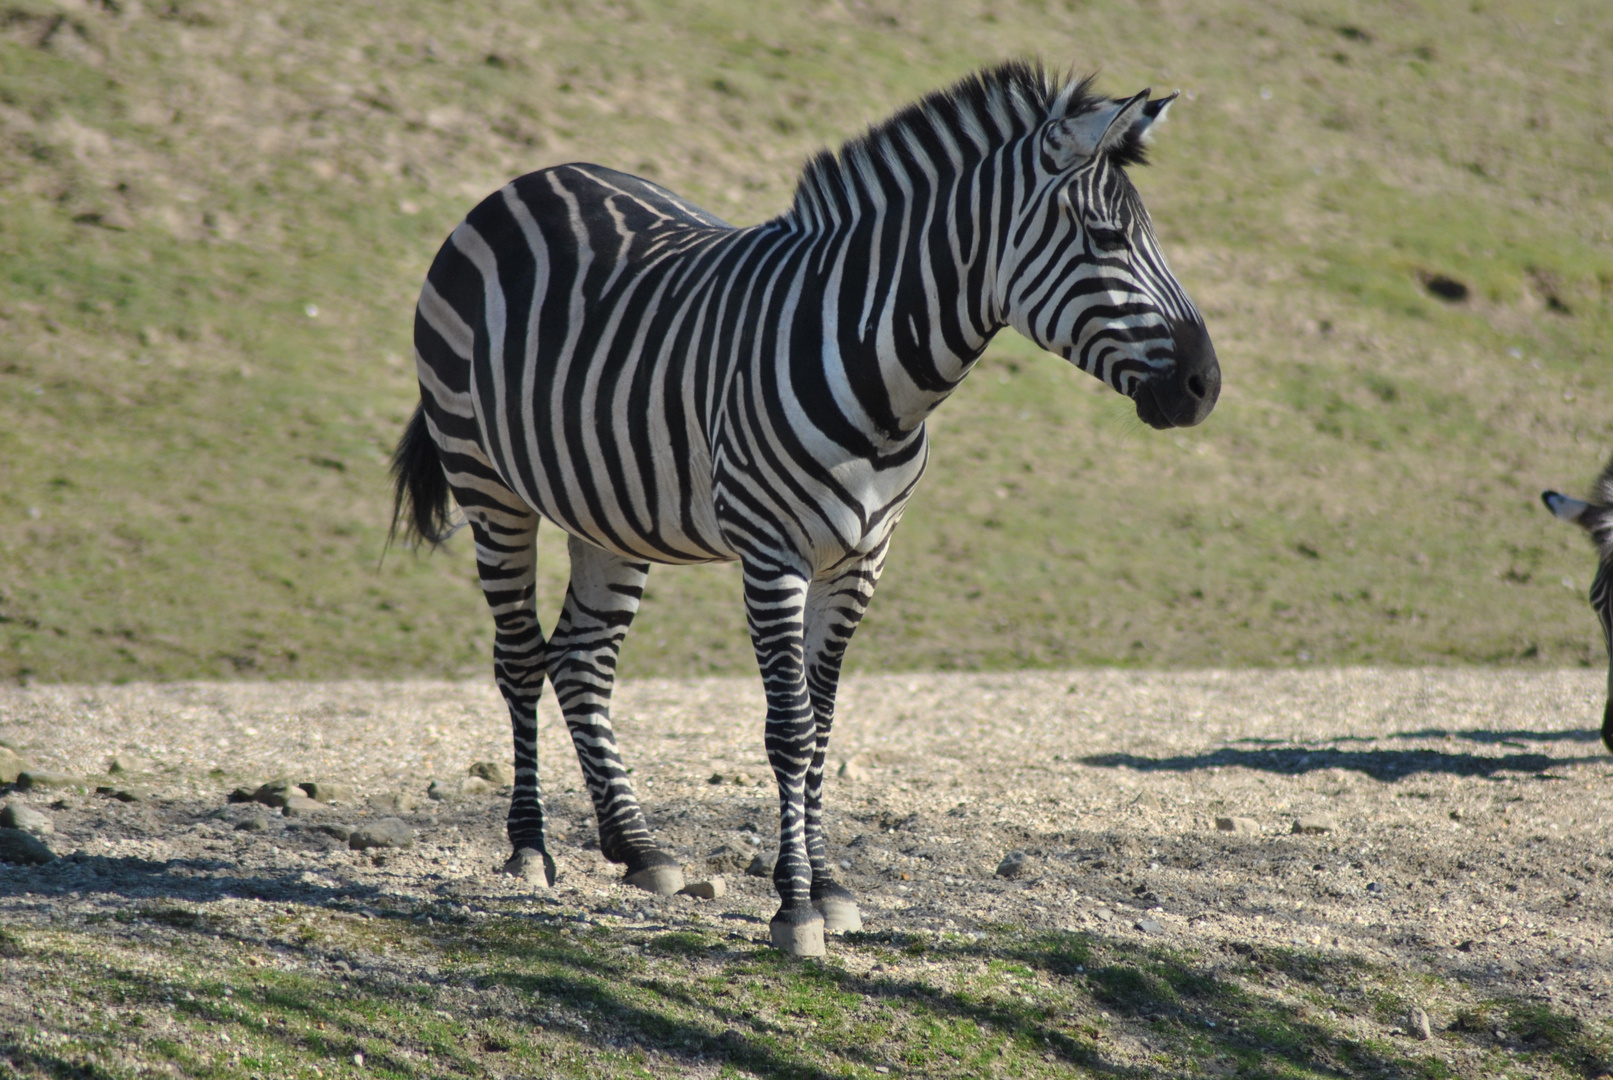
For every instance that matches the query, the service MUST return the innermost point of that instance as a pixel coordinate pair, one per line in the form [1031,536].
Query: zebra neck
[909,302]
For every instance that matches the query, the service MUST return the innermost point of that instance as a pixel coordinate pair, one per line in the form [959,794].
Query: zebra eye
[1107,238]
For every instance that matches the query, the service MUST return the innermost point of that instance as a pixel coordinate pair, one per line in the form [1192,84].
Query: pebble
[1016,864]
[1238,825]
[386,833]
[852,769]
[128,763]
[441,791]
[48,781]
[344,833]
[1150,926]
[302,805]
[727,858]
[498,773]
[19,846]
[1417,1023]
[760,866]
[714,889]
[1102,914]
[276,792]
[1314,824]
[327,791]
[26,818]
[397,802]
[12,765]
[255,823]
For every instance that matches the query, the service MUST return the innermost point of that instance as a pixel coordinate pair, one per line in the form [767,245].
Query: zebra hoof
[798,932]
[663,880]
[530,864]
[839,910]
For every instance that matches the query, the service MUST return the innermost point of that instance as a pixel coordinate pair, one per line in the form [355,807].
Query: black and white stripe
[665,387]
[1596,518]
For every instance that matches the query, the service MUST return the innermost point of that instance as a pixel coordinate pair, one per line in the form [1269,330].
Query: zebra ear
[1077,139]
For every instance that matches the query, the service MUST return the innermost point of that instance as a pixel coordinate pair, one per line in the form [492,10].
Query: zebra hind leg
[506,558]
[600,604]
[834,607]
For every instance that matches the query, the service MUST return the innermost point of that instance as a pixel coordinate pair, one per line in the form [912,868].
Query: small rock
[1150,926]
[386,833]
[1417,1023]
[255,823]
[26,818]
[760,866]
[340,832]
[1313,824]
[1016,864]
[276,792]
[1238,825]
[397,802]
[714,889]
[449,790]
[328,792]
[727,858]
[852,769]
[19,846]
[121,793]
[128,763]
[12,765]
[302,805]
[1102,914]
[498,773]
[35,780]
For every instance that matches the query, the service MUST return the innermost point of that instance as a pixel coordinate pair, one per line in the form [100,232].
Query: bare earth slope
[1465,844]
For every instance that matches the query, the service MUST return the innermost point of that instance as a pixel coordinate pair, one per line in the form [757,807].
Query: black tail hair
[420,484]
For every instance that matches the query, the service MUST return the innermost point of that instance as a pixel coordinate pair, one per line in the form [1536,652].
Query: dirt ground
[1462,813]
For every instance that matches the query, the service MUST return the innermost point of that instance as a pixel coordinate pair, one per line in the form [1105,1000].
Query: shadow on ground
[1378,764]
[546,994]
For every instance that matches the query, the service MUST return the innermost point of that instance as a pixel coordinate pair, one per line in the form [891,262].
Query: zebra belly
[650,510]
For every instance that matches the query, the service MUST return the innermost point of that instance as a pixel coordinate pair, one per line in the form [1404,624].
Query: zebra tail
[420,487]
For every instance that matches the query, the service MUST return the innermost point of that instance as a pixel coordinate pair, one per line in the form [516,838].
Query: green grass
[542,994]
[192,466]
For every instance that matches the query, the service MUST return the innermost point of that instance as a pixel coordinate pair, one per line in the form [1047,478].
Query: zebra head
[1596,518]
[1083,273]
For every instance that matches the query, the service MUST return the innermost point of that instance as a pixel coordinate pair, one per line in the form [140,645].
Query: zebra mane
[1598,517]
[977,114]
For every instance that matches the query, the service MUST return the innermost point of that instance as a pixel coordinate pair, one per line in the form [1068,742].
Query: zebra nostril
[1195,385]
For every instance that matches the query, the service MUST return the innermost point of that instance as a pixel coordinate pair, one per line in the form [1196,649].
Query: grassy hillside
[214,217]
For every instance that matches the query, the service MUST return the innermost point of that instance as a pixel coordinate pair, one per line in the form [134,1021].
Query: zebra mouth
[1149,410]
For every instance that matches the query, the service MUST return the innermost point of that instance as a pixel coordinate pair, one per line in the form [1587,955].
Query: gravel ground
[1458,816]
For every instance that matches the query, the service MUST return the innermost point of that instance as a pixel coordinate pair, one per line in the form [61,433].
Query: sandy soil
[1466,810]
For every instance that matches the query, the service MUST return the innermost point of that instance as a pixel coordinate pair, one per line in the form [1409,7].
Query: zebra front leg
[834,607]
[506,557]
[600,604]
[775,603]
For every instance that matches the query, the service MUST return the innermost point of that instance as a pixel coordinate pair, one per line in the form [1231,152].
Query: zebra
[1596,518]
[596,351]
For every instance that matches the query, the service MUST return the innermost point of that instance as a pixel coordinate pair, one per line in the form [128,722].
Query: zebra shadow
[526,994]
[1380,764]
